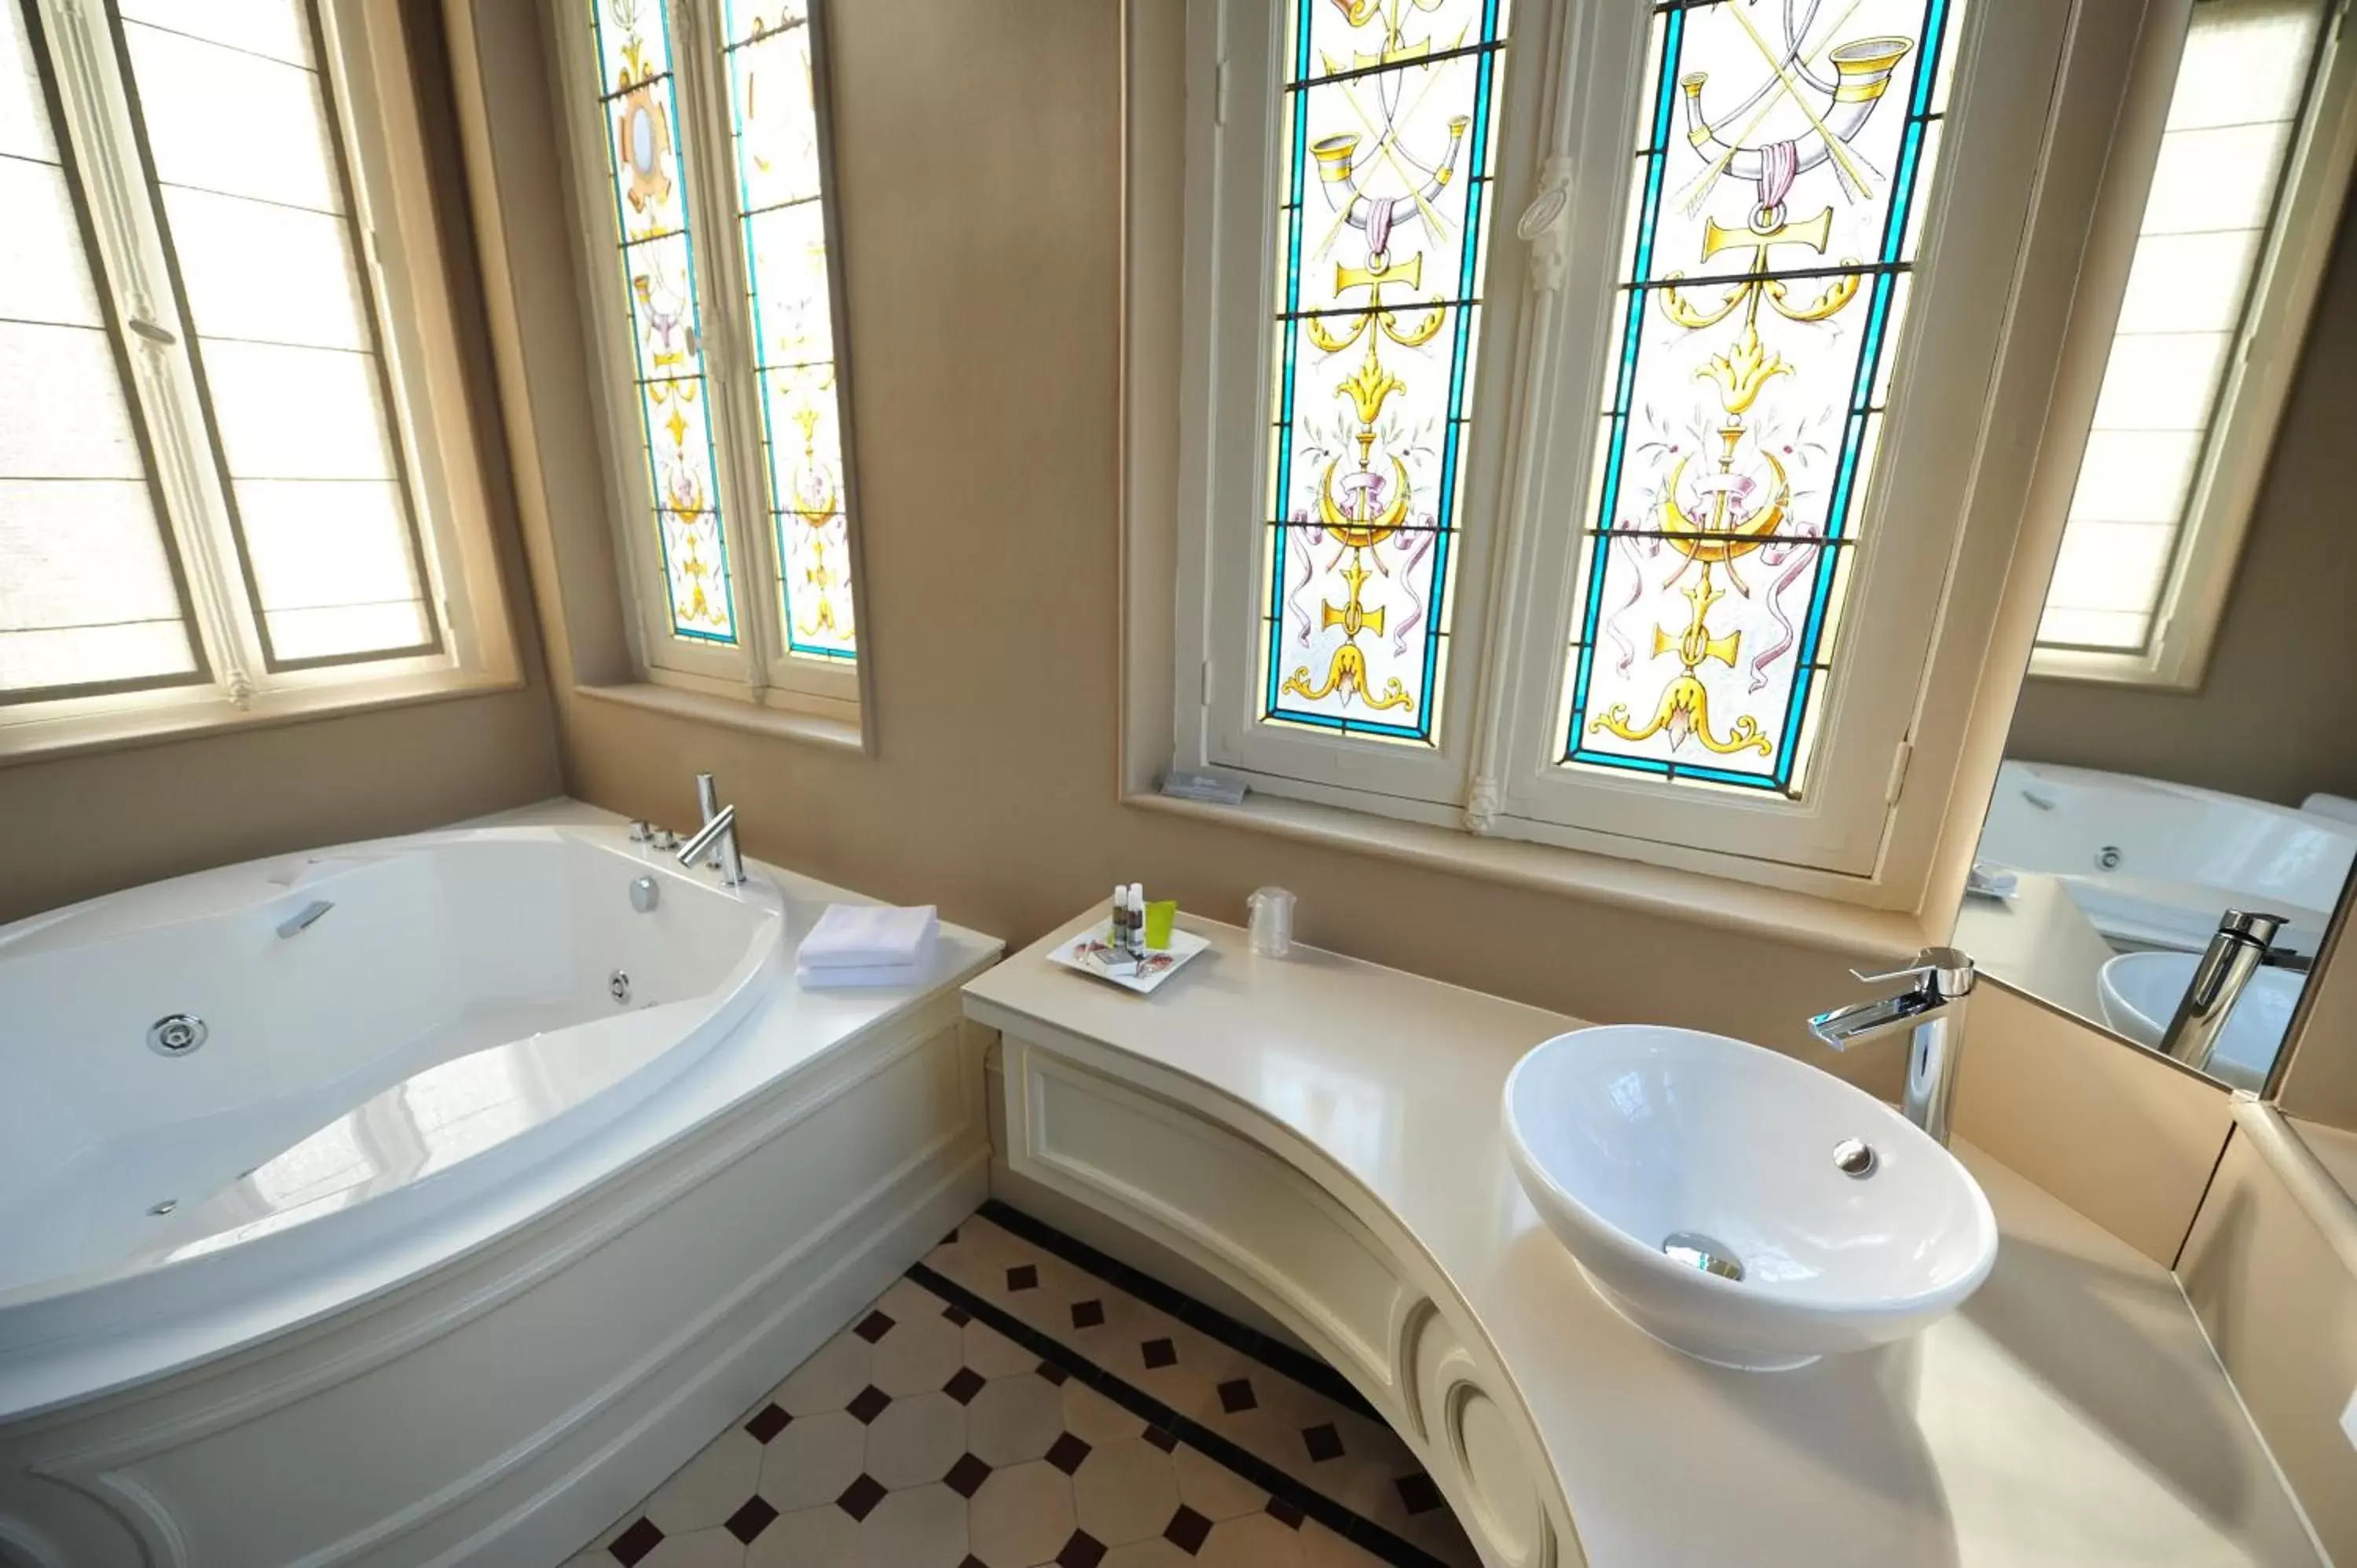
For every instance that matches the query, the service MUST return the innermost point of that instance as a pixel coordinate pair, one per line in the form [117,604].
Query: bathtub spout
[303,919]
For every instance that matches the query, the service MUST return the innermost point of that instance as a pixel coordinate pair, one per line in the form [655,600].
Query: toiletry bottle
[1117,936]
[1137,919]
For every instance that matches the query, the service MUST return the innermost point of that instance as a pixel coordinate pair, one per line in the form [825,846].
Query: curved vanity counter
[1323,1136]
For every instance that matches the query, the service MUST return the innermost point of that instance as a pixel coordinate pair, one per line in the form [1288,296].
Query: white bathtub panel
[502,1415]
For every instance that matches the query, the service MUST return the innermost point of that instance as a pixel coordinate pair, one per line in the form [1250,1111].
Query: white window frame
[1573,89]
[365,63]
[757,669]
[2263,362]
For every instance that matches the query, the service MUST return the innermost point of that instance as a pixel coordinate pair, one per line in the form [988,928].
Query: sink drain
[1697,1250]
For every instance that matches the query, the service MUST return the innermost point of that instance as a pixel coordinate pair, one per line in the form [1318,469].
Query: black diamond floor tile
[748,1522]
[860,1498]
[966,1476]
[1067,1453]
[635,1542]
[1187,1531]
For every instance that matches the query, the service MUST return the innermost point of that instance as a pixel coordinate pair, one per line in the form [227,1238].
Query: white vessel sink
[2140,992]
[1667,1160]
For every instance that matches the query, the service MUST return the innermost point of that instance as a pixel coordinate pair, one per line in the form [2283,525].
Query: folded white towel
[846,976]
[864,936]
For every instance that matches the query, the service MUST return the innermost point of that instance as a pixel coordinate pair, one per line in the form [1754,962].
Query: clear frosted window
[89,595]
[258,211]
[2241,89]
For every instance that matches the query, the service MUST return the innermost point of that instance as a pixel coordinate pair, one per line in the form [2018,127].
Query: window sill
[730,713]
[1821,923]
[195,714]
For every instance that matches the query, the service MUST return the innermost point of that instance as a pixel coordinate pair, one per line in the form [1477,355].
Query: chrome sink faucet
[2236,949]
[715,842]
[1932,1009]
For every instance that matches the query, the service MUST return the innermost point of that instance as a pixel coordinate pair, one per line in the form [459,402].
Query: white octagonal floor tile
[1023,1514]
[1125,1491]
[922,1526]
[709,1487]
[916,1440]
[812,1461]
[1013,1419]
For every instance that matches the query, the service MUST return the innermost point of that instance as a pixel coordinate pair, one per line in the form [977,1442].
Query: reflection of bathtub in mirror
[2151,864]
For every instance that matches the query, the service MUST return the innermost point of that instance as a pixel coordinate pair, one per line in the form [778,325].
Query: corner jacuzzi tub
[459,994]
[490,1189]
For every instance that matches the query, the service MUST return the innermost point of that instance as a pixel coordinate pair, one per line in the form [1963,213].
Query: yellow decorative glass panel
[655,234]
[1783,160]
[1387,116]
[775,134]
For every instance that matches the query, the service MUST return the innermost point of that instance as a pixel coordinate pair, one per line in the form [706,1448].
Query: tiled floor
[1019,1400]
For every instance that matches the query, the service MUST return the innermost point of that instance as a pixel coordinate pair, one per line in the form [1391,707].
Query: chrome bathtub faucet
[714,843]
[1932,1009]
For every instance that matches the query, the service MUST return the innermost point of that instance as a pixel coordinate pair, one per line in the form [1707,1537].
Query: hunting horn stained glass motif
[1774,214]
[774,129]
[1387,119]
[639,94]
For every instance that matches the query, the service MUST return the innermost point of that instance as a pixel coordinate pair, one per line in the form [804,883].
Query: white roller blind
[2238,100]
[258,214]
[89,597]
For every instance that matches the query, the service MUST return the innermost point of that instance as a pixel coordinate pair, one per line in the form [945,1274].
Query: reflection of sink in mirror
[2141,992]
[2152,863]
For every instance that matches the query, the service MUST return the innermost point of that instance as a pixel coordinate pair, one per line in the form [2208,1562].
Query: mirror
[2183,747]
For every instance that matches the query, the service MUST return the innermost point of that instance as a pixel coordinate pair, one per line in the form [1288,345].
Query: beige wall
[979,157]
[979,154]
[2272,719]
[2271,1269]
[85,824]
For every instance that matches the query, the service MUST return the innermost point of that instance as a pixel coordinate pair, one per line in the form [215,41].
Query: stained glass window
[1774,214]
[1387,125]
[774,126]
[640,100]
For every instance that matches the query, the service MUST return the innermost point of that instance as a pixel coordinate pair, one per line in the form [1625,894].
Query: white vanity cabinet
[1322,1137]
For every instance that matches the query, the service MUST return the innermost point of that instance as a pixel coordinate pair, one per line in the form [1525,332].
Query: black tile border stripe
[1275,1354]
[1358,1530]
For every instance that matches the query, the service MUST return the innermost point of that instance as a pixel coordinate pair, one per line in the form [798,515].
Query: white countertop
[2071,1413]
[2041,941]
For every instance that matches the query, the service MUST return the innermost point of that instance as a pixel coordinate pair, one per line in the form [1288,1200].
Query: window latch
[162,336]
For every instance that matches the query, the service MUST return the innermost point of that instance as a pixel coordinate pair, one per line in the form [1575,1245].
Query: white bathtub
[459,1249]
[454,1001]
[2153,863]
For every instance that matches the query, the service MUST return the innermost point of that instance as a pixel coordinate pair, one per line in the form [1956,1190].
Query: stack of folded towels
[867,944]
